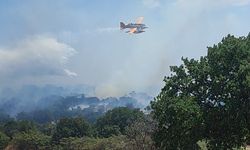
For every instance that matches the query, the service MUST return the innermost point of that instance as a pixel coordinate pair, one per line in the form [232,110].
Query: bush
[86,143]
[118,117]
[72,127]
[31,140]
[4,140]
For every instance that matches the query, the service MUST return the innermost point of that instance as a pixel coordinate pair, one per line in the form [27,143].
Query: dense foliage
[207,99]
[4,140]
[77,133]
[180,124]
[116,120]
[31,140]
[72,127]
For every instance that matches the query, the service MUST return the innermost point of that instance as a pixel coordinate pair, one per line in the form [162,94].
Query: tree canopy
[72,127]
[212,94]
[115,120]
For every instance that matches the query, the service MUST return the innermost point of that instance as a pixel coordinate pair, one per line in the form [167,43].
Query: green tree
[180,124]
[139,134]
[25,126]
[10,128]
[38,116]
[119,117]
[109,130]
[72,127]
[4,140]
[48,129]
[31,140]
[218,87]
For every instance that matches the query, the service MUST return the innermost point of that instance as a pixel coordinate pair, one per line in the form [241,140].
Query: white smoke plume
[35,56]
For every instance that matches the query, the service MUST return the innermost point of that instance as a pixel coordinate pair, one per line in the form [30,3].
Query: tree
[217,87]
[139,134]
[180,124]
[109,130]
[4,140]
[72,127]
[25,126]
[119,117]
[31,140]
[48,129]
[38,116]
[12,127]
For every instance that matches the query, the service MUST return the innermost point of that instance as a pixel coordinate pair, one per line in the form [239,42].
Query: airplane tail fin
[122,26]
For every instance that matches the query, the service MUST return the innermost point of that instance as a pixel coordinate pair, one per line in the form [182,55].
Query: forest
[204,104]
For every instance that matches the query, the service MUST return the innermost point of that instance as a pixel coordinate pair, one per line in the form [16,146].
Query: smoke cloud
[110,60]
[35,56]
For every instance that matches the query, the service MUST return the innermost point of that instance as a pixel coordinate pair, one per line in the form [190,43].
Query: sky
[67,42]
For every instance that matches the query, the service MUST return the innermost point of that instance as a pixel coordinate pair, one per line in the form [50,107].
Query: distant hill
[28,96]
[64,101]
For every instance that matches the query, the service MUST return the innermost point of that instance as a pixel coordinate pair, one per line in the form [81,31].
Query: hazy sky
[79,42]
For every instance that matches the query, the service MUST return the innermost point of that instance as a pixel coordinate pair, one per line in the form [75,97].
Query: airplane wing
[132,30]
[139,20]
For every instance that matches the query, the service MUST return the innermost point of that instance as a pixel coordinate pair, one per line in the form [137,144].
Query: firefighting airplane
[134,28]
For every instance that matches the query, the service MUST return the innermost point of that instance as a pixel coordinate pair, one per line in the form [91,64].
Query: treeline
[120,128]
[53,108]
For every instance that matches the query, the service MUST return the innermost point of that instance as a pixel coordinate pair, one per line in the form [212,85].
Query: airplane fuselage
[135,25]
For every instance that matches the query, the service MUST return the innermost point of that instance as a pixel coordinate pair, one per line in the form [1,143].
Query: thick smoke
[37,56]
[113,61]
